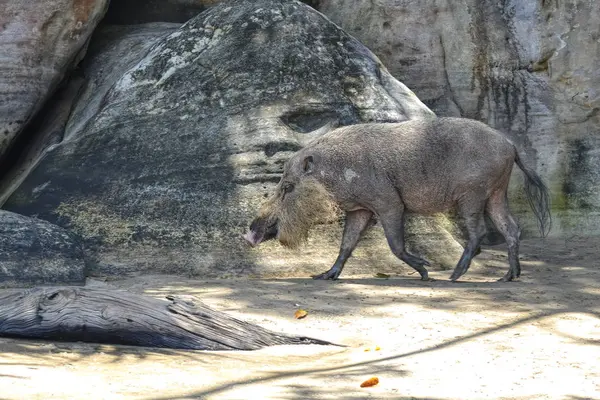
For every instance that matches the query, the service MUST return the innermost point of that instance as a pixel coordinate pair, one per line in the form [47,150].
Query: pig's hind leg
[392,221]
[471,209]
[356,224]
[497,209]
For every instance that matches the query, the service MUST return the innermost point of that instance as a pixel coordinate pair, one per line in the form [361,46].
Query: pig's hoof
[507,278]
[457,274]
[459,271]
[329,275]
[414,261]
[511,275]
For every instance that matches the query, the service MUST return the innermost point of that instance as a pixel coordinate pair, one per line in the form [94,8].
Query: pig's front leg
[392,221]
[356,223]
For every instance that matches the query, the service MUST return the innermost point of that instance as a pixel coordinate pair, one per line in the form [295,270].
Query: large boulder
[79,97]
[35,252]
[45,130]
[528,68]
[113,50]
[164,170]
[129,12]
[40,41]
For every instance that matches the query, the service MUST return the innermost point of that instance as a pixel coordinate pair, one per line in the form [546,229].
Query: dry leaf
[299,314]
[377,348]
[367,349]
[370,382]
[382,276]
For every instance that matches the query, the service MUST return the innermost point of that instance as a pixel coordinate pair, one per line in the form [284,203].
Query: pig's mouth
[256,235]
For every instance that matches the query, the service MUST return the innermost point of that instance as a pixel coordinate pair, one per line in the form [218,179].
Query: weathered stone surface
[528,68]
[128,12]
[35,252]
[165,170]
[85,92]
[45,130]
[112,51]
[40,41]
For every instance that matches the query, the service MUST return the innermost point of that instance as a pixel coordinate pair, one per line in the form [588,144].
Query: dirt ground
[538,338]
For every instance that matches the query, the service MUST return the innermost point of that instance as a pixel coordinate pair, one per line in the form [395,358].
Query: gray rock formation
[80,97]
[527,67]
[112,52]
[35,252]
[45,130]
[129,12]
[40,41]
[164,170]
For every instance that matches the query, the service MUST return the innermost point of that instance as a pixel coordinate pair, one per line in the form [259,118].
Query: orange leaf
[299,314]
[370,382]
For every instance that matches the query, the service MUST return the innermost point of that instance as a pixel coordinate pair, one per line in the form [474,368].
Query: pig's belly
[351,206]
[427,202]
[418,205]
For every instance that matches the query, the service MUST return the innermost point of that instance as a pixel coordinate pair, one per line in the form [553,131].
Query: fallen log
[118,317]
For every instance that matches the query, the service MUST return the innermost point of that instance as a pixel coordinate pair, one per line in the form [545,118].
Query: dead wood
[118,317]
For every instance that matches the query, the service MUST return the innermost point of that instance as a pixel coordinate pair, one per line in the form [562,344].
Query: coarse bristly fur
[309,204]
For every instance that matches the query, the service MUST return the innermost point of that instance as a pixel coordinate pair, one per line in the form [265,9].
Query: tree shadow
[77,351]
[355,368]
[298,392]
[13,376]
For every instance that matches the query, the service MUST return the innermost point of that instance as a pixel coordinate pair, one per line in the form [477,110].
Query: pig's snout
[260,231]
[251,238]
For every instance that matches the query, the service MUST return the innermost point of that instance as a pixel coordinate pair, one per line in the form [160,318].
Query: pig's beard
[309,204]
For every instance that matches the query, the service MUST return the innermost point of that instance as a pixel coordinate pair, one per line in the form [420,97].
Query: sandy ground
[538,338]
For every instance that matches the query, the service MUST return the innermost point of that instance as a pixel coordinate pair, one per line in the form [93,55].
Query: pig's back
[428,161]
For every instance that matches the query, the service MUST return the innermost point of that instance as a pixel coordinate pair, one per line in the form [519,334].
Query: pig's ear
[308,164]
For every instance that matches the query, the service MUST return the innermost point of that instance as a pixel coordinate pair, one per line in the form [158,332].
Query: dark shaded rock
[45,130]
[40,42]
[35,252]
[79,97]
[528,68]
[165,170]
[128,12]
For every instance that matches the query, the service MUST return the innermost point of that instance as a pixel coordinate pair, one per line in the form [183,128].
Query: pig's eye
[288,187]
